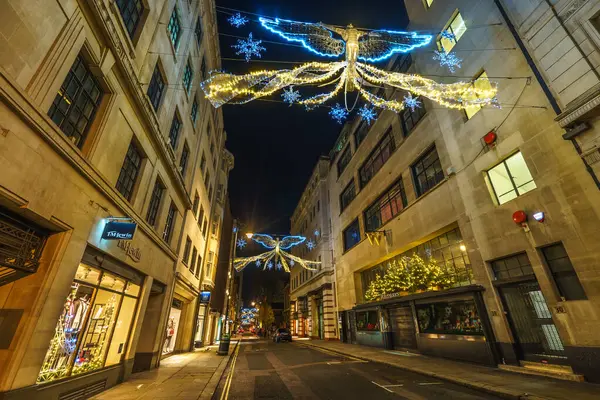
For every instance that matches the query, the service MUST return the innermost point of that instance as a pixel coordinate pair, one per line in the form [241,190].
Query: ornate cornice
[579,108]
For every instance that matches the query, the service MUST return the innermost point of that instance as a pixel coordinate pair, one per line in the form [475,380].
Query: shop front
[173,322]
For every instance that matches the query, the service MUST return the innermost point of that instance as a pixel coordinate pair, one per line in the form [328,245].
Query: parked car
[282,334]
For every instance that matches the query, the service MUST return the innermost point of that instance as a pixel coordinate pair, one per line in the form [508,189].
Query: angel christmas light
[354,74]
[276,254]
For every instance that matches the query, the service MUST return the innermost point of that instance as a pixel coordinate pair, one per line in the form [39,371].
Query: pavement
[187,376]
[484,379]
[264,370]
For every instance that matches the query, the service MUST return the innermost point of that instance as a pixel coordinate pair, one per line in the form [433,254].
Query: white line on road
[333,362]
[383,387]
[430,383]
[394,385]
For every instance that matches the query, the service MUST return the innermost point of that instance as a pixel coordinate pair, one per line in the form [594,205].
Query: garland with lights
[354,74]
[276,254]
[410,274]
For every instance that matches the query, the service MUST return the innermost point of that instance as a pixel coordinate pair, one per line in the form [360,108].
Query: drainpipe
[540,78]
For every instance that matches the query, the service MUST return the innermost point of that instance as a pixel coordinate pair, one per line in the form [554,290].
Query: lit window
[457,28]
[510,179]
[483,83]
[428,3]
[174,28]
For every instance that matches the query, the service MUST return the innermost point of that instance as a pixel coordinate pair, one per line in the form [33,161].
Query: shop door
[344,327]
[352,327]
[403,326]
[321,326]
[536,336]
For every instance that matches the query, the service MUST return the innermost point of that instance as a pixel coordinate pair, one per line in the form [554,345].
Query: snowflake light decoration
[258,262]
[448,35]
[317,233]
[290,95]
[249,47]
[241,243]
[338,113]
[411,102]
[237,20]
[276,254]
[367,114]
[495,103]
[279,266]
[310,244]
[449,60]
[270,265]
[292,263]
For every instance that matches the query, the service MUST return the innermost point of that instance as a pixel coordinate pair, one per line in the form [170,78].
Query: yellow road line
[225,393]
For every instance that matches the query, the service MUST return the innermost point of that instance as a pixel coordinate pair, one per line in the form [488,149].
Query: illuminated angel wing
[379,45]
[291,241]
[265,240]
[314,37]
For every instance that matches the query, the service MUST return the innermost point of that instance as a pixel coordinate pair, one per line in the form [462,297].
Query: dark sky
[275,146]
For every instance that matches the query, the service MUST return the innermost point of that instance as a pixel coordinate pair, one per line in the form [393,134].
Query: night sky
[275,146]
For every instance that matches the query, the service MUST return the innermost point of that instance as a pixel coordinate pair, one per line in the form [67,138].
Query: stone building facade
[312,293]
[102,121]
[449,186]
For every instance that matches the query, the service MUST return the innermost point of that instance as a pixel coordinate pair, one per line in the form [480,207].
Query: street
[261,369]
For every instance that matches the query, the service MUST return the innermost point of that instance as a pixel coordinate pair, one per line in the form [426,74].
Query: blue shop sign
[119,230]
[205,297]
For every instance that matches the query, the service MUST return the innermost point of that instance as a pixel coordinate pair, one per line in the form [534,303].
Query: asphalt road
[266,370]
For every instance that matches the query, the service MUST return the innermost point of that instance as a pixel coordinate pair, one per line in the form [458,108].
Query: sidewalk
[491,380]
[187,376]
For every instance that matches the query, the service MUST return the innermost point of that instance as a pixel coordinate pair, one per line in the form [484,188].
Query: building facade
[312,293]
[102,122]
[469,234]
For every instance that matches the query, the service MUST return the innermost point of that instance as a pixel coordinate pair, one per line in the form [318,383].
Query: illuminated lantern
[490,138]
[519,217]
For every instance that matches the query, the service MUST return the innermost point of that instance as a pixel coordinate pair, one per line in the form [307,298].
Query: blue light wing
[291,241]
[314,37]
[379,45]
[265,240]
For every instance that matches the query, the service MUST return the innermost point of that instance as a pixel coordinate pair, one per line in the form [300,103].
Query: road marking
[430,383]
[225,394]
[394,385]
[381,386]
[334,362]
[332,353]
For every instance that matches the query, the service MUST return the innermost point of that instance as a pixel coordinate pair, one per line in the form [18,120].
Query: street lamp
[253,303]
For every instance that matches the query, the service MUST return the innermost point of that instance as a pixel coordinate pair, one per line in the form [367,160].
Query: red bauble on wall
[490,138]
[519,217]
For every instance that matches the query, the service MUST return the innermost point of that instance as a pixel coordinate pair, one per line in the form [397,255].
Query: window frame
[352,225]
[418,189]
[132,32]
[385,200]
[566,294]
[448,27]
[184,159]
[174,130]
[420,111]
[132,178]
[188,76]
[187,248]
[174,28]
[385,143]
[194,111]
[198,31]
[156,87]
[170,223]
[473,84]
[490,182]
[156,198]
[347,152]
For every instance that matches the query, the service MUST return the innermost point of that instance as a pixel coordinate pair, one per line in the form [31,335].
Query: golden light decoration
[349,75]
[276,254]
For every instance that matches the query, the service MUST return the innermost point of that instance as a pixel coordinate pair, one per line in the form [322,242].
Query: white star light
[290,95]
[367,114]
[317,233]
[249,47]
[292,262]
[411,102]
[241,243]
[449,60]
[310,244]
[237,20]
[338,113]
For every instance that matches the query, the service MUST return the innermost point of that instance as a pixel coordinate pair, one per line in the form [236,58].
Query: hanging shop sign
[119,230]
[205,296]
[132,252]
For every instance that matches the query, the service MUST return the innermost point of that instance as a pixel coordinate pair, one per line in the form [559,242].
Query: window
[318,205]
[198,33]
[347,195]
[409,118]
[186,250]
[483,83]
[204,76]
[193,260]
[512,267]
[155,200]
[210,192]
[174,131]
[188,76]
[402,63]
[174,28]
[207,178]
[76,102]
[454,318]
[194,111]
[212,148]
[198,266]
[367,321]
[457,28]
[204,227]
[209,263]
[202,162]
[361,132]
[131,12]
[185,154]
[386,207]
[170,223]
[156,88]
[215,227]
[351,235]
[344,160]
[94,324]
[196,204]
[201,216]
[427,171]
[510,179]
[129,171]
[380,154]
[564,274]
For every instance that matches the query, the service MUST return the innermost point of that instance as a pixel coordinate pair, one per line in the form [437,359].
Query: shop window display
[172,326]
[93,328]
[458,317]
[367,321]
